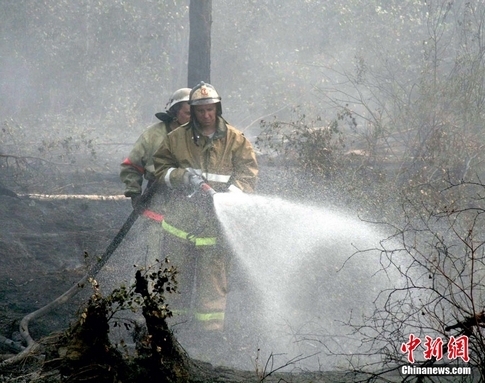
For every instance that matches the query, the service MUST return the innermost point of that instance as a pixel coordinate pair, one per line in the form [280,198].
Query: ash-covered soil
[43,244]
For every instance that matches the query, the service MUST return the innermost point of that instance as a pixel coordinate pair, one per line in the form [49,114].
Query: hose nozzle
[207,189]
[199,183]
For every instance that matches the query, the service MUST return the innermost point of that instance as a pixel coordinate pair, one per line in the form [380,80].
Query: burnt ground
[43,244]
[42,247]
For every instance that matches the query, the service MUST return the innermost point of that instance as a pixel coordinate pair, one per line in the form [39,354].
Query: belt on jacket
[208,241]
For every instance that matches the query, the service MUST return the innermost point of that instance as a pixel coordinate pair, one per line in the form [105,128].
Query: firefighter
[211,148]
[139,165]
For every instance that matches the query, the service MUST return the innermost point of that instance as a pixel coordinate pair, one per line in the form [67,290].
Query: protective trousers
[154,234]
[201,265]
[152,216]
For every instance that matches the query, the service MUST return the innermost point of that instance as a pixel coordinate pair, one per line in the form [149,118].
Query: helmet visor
[204,101]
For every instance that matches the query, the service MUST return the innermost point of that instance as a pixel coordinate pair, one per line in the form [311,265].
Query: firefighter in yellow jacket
[209,147]
[139,165]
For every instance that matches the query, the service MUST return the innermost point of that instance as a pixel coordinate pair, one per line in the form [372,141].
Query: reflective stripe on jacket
[197,241]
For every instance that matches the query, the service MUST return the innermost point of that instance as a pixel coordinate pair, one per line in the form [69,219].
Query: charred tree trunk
[163,359]
[200,17]
[88,355]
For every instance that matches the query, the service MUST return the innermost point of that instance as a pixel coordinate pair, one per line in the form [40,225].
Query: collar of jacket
[220,132]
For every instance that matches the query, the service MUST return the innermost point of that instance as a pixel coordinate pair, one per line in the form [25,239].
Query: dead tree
[200,17]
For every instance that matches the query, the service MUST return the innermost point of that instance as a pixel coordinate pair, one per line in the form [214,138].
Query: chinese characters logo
[433,348]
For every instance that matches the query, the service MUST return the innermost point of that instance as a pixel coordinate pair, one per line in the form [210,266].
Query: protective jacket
[139,162]
[192,238]
[226,160]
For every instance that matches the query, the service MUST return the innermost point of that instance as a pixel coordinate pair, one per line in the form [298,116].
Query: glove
[188,173]
[187,176]
[191,178]
[135,200]
[196,181]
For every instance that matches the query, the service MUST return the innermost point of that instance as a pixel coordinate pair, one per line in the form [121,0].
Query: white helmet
[179,95]
[203,94]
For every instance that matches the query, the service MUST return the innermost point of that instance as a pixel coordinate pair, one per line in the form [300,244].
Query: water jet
[308,270]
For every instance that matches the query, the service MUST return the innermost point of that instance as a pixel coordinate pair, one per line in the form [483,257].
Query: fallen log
[92,197]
